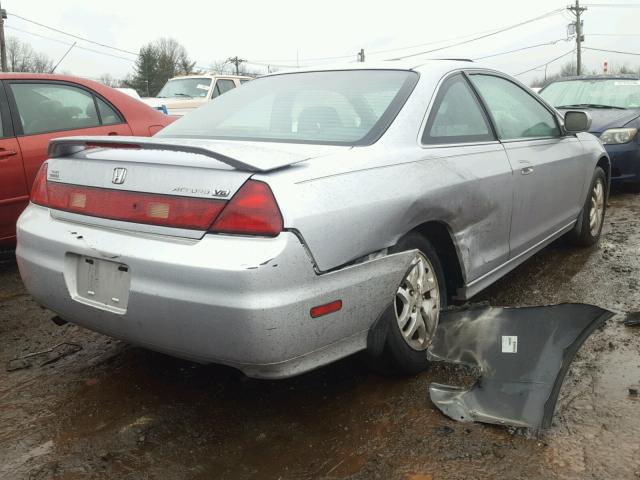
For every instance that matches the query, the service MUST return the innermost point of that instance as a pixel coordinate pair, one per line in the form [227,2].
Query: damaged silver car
[310,215]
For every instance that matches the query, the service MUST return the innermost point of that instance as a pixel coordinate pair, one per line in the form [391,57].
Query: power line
[374,52]
[545,64]
[71,34]
[510,27]
[611,51]
[263,64]
[520,49]
[68,44]
[483,34]
[614,35]
[614,5]
[389,50]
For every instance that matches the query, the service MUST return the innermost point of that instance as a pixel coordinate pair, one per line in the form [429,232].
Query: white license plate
[102,283]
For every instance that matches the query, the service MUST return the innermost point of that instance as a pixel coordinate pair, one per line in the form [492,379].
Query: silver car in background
[310,215]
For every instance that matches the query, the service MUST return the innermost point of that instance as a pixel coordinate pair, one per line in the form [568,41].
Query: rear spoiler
[263,158]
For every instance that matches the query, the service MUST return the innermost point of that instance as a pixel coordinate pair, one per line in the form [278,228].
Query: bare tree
[220,67]
[566,70]
[109,81]
[21,57]
[225,67]
[624,69]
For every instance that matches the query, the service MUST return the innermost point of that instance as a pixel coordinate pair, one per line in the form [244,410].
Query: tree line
[165,58]
[21,57]
[157,62]
[569,70]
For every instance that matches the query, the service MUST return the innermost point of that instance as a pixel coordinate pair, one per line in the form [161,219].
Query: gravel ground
[114,411]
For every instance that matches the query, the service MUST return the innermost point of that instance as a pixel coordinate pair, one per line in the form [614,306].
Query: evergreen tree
[157,62]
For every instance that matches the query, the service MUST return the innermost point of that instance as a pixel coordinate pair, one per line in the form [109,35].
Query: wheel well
[605,164]
[438,234]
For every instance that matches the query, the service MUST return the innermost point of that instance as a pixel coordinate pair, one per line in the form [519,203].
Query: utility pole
[236,61]
[3,44]
[577,12]
[361,55]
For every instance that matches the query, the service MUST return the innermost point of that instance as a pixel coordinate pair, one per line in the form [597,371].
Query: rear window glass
[351,107]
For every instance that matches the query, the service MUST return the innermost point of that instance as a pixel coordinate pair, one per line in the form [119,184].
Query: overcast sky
[283,32]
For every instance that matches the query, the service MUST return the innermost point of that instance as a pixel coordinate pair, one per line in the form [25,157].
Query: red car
[34,108]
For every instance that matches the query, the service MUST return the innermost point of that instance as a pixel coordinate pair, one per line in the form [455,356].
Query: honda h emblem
[119,174]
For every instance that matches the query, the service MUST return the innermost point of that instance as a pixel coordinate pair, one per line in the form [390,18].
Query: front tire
[412,321]
[593,212]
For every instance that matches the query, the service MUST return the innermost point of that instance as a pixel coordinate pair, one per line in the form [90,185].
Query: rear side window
[457,116]
[47,107]
[107,114]
[516,113]
[223,86]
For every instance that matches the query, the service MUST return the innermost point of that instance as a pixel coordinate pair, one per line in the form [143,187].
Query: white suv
[180,95]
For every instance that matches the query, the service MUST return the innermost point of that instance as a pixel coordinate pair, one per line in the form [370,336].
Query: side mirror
[577,121]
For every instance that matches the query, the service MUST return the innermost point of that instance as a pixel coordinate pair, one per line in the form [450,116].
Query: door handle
[526,171]
[7,153]
[112,133]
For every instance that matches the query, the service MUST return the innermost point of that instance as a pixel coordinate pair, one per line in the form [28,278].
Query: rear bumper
[239,301]
[625,162]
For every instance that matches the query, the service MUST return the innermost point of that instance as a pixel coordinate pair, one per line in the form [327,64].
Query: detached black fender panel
[523,354]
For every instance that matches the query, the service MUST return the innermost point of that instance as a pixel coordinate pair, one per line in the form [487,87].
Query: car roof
[209,75]
[43,76]
[415,64]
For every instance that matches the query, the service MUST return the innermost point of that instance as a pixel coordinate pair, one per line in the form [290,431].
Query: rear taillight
[164,210]
[39,188]
[150,208]
[252,211]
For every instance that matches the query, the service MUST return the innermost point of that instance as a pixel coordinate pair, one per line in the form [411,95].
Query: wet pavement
[114,411]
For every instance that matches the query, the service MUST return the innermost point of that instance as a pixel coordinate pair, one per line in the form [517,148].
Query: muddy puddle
[115,411]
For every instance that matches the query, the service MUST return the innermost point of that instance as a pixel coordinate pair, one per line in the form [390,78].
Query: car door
[546,163]
[459,135]
[14,193]
[42,110]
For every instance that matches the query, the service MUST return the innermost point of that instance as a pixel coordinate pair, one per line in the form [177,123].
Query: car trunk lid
[169,186]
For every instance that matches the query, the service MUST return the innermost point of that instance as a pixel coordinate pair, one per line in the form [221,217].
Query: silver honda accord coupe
[310,215]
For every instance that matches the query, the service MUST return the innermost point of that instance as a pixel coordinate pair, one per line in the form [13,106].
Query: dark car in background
[614,104]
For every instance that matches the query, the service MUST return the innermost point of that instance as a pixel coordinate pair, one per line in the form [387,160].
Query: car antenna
[63,57]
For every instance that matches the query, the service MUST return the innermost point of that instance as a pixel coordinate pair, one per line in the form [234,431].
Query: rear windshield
[351,107]
[619,93]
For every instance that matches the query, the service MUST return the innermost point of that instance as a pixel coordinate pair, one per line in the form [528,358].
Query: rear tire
[404,352]
[593,212]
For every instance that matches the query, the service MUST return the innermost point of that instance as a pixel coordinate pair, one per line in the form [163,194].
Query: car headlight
[615,136]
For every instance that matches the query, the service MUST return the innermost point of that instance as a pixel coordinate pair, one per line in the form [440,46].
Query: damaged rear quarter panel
[371,206]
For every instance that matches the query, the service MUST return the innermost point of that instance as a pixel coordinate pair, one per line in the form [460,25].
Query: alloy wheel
[417,304]
[596,213]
